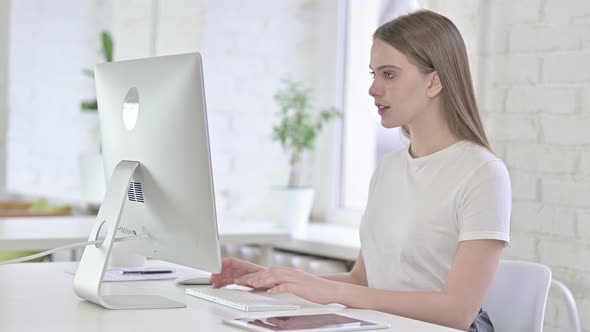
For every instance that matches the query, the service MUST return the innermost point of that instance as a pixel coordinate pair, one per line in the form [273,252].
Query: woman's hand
[231,269]
[288,280]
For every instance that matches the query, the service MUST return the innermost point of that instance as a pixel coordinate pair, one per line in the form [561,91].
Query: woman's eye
[372,73]
[388,75]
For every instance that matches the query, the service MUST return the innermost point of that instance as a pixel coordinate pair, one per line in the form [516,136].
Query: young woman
[438,213]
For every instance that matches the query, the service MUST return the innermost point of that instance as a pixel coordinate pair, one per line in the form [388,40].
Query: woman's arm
[456,306]
[357,276]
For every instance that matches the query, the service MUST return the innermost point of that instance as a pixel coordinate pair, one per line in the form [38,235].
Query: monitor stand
[90,273]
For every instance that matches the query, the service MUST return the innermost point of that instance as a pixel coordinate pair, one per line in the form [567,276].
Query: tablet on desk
[307,323]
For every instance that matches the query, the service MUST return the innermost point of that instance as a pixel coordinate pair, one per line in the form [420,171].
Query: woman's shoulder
[482,162]
[477,155]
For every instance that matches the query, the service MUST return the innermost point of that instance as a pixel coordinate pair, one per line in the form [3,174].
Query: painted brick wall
[247,48]
[534,92]
[4,28]
[50,42]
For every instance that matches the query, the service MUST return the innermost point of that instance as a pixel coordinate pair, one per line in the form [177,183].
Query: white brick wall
[545,158]
[247,49]
[516,12]
[522,247]
[247,53]
[525,38]
[545,219]
[516,69]
[541,99]
[494,99]
[525,186]
[577,72]
[534,92]
[584,308]
[50,43]
[566,191]
[564,254]
[583,224]
[502,127]
[567,129]
[584,165]
[560,12]
[4,27]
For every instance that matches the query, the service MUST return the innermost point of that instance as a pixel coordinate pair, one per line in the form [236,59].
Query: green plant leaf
[107,46]
[107,51]
[298,127]
[89,105]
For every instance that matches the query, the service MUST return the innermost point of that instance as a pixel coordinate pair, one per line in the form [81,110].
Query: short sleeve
[485,207]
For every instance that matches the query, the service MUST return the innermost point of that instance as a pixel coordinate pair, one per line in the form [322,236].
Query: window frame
[328,204]
[353,43]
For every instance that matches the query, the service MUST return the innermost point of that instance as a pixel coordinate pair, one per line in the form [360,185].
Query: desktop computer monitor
[155,145]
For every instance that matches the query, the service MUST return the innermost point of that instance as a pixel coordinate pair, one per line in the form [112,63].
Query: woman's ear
[434,86]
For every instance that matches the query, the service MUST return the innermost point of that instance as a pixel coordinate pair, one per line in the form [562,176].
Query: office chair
[572,308]
[517,297]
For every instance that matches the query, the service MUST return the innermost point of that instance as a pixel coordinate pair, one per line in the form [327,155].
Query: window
[362,140]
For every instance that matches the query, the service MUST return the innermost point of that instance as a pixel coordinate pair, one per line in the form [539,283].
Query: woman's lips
[383,110]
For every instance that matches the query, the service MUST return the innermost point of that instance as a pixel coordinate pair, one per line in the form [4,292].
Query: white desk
[40,297]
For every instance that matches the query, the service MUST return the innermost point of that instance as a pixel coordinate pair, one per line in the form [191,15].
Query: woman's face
[399,88]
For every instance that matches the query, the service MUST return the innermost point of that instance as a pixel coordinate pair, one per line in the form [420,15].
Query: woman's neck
[430,133]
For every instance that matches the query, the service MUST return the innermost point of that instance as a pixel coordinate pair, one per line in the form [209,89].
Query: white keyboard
[240,299]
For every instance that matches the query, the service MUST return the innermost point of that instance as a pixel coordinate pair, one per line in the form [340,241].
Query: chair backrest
[517,297]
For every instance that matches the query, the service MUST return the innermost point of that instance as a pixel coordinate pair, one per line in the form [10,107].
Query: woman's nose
[374,89]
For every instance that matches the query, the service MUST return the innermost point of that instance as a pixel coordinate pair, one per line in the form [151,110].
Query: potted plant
[92,183]
[107,52]
[296,131]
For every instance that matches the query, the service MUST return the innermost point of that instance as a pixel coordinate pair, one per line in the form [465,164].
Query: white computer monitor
[155,145]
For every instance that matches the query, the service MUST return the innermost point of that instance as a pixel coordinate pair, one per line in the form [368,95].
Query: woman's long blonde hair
[433,43]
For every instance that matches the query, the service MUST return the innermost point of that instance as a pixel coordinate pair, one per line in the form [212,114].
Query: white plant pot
[290,208]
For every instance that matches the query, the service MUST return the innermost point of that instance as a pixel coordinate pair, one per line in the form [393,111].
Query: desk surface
[46,233]
[40,297]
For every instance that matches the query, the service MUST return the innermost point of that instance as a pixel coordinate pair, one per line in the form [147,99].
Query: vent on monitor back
[135,193]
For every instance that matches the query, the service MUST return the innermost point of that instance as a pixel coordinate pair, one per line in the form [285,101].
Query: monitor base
[122,302]
[89,276]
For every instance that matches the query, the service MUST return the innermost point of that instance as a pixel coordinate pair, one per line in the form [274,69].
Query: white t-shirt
[419,209]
